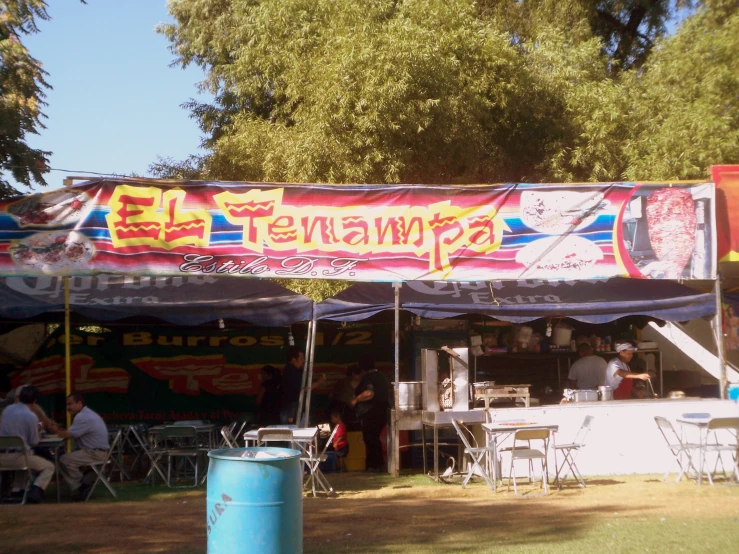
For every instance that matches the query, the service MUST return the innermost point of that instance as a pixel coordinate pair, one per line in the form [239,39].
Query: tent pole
[719,333]
[393,432]
[67,354]
[311,353]
[396,340]
[304,373]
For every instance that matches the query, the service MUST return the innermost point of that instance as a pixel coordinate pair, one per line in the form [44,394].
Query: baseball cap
[625,346]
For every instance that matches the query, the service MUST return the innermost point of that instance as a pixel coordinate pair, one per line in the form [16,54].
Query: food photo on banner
[153,374]
[363,232]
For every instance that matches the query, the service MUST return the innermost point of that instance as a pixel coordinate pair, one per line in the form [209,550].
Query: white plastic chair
[530,454]
[99,468]
[476,453]
[15,452]
[570,452]
[681,451]
[269,434]
[730,425]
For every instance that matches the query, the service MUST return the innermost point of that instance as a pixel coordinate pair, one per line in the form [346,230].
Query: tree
[627,29]
[684,106]
[380,91]
[460,91]
[22,84]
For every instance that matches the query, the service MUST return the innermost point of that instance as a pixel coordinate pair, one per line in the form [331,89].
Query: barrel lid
[262,454]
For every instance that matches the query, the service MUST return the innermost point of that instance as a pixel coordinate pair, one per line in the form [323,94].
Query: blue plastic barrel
[255,504]
[734,393]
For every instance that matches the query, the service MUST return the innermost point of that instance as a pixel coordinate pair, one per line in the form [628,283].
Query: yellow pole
[67,354]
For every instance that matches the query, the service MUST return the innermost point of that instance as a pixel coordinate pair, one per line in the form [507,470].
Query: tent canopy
[190,300]
[521,301]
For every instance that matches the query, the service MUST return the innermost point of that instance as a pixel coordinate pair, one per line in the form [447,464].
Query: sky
[115,103]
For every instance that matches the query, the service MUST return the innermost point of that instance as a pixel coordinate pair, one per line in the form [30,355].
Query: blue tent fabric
[188,300]
[520,301]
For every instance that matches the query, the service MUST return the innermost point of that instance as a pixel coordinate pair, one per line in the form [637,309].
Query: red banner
[726,178]
[368,233]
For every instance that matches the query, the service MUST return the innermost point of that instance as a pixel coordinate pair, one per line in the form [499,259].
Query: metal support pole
[395,432]
[309,392]
[719,335]
[396,340]
[67,354]
[304,373]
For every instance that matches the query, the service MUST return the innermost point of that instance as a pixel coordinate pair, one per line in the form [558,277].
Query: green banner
[158,374]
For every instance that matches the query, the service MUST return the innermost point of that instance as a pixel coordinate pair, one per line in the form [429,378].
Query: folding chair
[14,457]
[228,439]
[179,443]
[314,472]
[117,458]
[681,451]
[476,453]
[132,441]
[570,452]
[229,434]
[99,467]
[530,454]
[730,425]
[269,434]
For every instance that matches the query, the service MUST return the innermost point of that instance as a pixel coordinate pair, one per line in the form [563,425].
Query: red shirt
[340,437]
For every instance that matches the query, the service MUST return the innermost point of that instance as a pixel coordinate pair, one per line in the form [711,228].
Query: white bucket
[562,335]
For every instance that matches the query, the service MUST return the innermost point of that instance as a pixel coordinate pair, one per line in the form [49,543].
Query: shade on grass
[379,514]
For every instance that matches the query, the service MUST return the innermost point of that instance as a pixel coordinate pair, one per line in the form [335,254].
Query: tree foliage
[22,84]
[684,109]
[458,91]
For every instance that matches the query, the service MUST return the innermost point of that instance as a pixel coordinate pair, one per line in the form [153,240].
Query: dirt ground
[374,513]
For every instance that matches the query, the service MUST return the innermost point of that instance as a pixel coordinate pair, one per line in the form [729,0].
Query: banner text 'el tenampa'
[363,232]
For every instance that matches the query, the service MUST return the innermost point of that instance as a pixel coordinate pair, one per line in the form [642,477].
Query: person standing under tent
[91,436]
[292,380]
[372,402]
[19,420]
[618,374]
[268,398]
[341,396]
[589,372]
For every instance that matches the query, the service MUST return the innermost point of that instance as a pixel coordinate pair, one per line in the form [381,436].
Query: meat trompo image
[671,224]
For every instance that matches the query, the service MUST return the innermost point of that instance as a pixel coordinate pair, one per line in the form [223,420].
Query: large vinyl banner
[726,178]
[364,233]
[156,374]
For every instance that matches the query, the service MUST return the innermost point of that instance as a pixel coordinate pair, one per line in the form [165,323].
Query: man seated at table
[91,436]
[589,372]
[19,420]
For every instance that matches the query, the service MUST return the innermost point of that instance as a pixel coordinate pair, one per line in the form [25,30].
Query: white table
[54,443]
[306,438]
[501,430]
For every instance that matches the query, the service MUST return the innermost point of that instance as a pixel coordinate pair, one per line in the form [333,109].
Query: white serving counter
[623,438]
